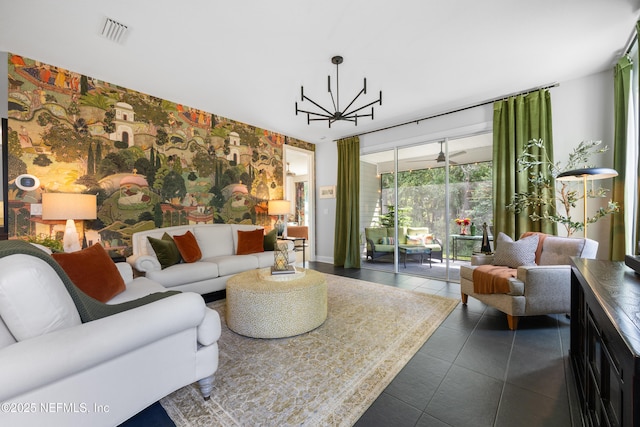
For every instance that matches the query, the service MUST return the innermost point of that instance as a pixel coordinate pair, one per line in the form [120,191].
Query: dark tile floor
[435,270]
[474,371]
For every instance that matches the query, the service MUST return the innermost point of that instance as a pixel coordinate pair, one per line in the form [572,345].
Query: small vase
[463,230]
[473,229]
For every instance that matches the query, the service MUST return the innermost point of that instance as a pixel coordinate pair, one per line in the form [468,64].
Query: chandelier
[349,113]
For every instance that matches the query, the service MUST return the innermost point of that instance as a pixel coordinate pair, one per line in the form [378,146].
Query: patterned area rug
[326,377]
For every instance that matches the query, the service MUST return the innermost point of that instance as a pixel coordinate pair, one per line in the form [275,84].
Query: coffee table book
[290,270]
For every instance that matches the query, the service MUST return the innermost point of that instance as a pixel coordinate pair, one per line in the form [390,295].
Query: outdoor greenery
[388,219]
[546,193]
[421,194]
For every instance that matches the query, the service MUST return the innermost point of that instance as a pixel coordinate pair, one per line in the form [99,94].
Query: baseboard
[325,259]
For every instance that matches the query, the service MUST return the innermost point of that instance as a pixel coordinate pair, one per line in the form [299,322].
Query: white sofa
[218,244]
[101,372]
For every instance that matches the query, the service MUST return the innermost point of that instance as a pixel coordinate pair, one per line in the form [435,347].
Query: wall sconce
[69,207]
[279,208]
[584,175]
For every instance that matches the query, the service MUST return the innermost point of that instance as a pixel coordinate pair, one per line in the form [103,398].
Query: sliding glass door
[425,188]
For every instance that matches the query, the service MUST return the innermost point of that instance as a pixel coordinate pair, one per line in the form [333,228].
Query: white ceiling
[246,60]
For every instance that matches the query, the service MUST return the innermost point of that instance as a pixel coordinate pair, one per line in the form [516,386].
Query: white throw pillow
[514,254]
[33,299]
[214,240]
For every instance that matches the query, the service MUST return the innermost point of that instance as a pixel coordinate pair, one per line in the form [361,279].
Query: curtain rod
[627,51]
[491,101]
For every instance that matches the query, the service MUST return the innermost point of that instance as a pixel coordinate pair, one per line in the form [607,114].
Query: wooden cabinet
[605,341]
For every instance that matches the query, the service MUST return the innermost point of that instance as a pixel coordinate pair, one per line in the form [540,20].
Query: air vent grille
[114,30]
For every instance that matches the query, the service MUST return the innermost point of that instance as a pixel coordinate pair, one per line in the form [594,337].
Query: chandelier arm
[317,105]
[331,119]
[327,116]
[359,115]
[347,119]
[379,100]
[353,100]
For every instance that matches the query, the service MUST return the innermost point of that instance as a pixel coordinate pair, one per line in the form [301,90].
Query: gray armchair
[539,289]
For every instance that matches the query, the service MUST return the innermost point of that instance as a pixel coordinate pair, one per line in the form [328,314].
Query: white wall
[326,174]
[582,109]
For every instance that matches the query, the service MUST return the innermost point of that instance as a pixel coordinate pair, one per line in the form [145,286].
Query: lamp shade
[279,207]
[588,173]
[63,206]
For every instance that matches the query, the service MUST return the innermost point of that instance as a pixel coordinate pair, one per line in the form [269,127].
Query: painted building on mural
[151,162]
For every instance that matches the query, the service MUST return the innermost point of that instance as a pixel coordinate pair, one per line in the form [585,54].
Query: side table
[296,247]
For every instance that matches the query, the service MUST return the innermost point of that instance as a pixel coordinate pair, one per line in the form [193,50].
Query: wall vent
[114,30]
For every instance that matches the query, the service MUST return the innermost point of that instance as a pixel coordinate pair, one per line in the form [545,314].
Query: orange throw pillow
[188,247]
[93,271]
[250,242]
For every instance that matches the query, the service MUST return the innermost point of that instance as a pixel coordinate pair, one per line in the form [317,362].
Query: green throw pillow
[166,250]
[270,240]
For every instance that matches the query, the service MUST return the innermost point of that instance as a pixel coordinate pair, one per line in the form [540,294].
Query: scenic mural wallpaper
[151,162]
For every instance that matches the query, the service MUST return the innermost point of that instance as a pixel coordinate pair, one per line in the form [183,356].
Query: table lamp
[584,175]
[69,207]
[279,208]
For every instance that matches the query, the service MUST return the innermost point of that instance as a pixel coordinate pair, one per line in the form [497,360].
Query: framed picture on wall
[328,192]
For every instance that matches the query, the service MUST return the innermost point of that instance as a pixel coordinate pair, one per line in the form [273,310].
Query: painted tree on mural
[68,144]
[16,166]
[173,186]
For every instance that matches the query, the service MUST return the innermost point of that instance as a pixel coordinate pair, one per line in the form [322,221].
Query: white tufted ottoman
[260,305]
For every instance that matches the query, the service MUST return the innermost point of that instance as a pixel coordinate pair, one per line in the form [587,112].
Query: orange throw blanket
[541,237]
[492,279]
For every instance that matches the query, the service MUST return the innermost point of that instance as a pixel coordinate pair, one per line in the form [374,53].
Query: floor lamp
[584,175]
[69,206]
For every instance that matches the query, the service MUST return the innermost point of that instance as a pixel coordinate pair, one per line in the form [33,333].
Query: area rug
[326,377]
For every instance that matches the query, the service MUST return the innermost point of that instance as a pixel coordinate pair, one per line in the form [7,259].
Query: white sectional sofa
[57,369]
[218,244]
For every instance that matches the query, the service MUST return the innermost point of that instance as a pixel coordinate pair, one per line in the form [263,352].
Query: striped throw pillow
[386,241]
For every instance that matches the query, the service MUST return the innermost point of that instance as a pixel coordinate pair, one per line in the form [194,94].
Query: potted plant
[546,194]
[44,240]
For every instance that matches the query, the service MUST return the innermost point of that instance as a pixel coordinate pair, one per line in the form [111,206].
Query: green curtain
[516,121]
[636,238]
[346,247]
[621,93]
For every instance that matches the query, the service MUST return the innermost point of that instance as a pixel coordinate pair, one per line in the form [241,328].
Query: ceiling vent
[114,30]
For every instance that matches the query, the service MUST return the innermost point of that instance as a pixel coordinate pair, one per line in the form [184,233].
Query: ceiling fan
[442,157]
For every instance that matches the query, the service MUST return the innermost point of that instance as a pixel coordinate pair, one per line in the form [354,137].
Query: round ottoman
[261,305]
